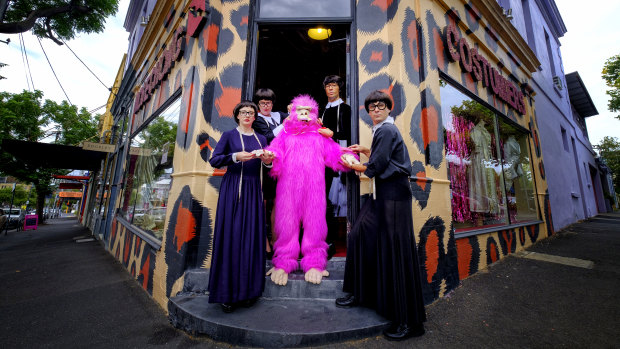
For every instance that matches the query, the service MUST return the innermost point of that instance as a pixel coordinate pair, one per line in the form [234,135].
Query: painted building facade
[460,75]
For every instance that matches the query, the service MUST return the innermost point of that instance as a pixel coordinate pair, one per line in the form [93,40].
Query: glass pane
[149,171]
[474,169]
[518,175]
[304,8]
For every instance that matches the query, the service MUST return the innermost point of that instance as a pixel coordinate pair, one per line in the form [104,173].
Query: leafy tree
[65,18]
[24,116]
[609,150]
[611,74]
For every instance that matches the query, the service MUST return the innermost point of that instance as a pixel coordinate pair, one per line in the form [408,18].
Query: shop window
[148,171]
[564,138]
[491,179]
[305,9]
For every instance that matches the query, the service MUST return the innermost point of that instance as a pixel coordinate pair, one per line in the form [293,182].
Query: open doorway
[291,63]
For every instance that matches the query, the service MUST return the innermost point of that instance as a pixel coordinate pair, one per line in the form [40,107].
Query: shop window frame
[497,115]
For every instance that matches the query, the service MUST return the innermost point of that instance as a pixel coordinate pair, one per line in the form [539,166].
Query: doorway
[290,62]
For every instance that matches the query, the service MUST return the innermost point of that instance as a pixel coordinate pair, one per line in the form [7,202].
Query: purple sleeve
[332,152]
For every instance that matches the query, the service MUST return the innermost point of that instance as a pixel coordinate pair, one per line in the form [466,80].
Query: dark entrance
[291,63]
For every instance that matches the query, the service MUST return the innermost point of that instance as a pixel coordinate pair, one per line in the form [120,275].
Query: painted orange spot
[376,56]
[432,255]
[227,101]
[493,253]
[219,172]
[205,145]
[145,271]
[428,125]
[214,30]
[382,4]
[244,20]
[185,229]
[126,251]
[421,183]
[189,107]
[464,252]
[439,48]
[508,241]
[412,36]
[470,83]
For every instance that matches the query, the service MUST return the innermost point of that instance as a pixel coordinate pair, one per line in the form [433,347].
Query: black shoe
[227,307]
[331,251]
[403,331]
[347,301]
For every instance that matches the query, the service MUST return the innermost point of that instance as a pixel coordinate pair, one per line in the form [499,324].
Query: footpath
[59,289]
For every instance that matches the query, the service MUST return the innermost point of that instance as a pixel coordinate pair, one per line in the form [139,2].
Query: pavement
[56,292]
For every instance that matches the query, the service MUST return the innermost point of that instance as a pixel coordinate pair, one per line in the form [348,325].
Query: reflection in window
[149,168]
[304,8]
[481,165]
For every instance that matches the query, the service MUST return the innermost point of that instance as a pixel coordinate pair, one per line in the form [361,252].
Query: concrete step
[197,280]
[275,322]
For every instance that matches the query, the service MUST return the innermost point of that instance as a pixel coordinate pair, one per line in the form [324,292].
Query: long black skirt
[382,268]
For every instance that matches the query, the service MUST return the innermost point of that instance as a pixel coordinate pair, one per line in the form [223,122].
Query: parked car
[15,217]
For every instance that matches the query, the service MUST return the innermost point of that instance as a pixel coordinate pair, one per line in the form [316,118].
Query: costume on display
[238,260]
[483,195]
[512,156]
[301,155]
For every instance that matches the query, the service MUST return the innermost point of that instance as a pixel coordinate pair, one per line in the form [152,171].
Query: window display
[488,165]
[148,172]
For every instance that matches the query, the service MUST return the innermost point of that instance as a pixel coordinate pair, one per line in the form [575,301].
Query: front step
[275,323]
[297,314]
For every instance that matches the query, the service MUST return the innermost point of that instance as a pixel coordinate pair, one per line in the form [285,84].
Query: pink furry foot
[315,276]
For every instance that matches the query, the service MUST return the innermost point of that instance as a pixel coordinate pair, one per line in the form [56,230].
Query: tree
[611,74]
[55,19]
[609,150]
[24,116]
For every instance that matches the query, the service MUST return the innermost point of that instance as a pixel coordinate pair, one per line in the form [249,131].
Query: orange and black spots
[420,185]
[188,108]
[507,240]
[214,40]
[145,277]
[541,168]
[548,218]
[437,260]
[385,83]
[522,236]
[375,56]
[220,96]
[492,251]
[413,43]
[537,144]
[372,15]
[468,251]
[472,16]
[533,231]
[188,236]
[126,249]
[206,144]
[426,129]
[239,18]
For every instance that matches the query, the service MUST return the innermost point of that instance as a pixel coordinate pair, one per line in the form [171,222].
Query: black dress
[238,260]
[382,268]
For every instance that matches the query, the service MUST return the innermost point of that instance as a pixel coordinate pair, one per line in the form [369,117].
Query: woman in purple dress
[237,275]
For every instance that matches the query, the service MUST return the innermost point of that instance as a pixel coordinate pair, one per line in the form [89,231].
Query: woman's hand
[325,132]
[360,149]
[244,156]
[267,157]
[351,162]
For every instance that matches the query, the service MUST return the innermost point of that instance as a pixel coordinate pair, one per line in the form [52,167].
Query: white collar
[273,117]
[334,103]
[388,120]
[245,134]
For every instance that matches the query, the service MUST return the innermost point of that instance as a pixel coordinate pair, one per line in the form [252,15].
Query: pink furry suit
[301,154]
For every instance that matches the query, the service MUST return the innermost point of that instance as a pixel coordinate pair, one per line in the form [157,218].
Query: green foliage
[57,18]
[609,150]
[611,75]
[474,111]
[21,196]
[23,117]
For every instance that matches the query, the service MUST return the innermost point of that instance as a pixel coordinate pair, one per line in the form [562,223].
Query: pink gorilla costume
[301,154]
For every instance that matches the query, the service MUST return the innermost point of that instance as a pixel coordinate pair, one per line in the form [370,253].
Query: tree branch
[28,23]
[48,30]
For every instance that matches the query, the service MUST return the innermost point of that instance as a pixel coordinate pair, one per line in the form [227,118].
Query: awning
[579,96]
[47,155]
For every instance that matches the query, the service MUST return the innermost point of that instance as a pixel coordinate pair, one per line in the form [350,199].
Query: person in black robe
[382,268]
[237,274]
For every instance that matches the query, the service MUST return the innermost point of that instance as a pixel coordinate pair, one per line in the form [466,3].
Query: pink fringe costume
[301,155]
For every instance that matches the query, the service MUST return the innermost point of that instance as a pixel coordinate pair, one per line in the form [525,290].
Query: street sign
[102,147]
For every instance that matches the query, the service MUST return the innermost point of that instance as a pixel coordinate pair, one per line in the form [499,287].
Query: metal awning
[579,96]
[47,155]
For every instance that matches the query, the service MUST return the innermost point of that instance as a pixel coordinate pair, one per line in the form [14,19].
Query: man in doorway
[337,117]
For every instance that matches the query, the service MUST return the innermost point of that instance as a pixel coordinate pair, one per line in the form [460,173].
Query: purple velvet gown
[238,260]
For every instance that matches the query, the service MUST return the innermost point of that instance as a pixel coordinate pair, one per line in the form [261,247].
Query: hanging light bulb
[319,33]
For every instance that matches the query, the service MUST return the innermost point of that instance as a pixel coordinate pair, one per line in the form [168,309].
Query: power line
[22,49]
[94,110]
[48,62]
[27,61]
[76,56]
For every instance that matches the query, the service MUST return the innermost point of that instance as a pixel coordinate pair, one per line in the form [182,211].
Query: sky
[593,35]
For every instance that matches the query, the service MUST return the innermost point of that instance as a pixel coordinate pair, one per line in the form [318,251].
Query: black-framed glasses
[246,113]
[265,104]
[331,85]
[378,105]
